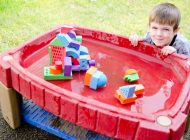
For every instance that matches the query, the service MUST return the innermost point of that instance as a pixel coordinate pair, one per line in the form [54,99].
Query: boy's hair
[165,13]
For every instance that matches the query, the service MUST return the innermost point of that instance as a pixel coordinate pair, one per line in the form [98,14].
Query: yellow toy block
[130,71]
[88,75]
[139,89]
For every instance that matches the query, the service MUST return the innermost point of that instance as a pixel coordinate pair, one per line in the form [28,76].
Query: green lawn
[21,20]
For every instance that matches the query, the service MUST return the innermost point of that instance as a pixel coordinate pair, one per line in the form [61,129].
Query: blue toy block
[72,34]
[83,50]
[127,91]
[71,52]
[94,80]
[38,117]
[67,66]
[83,62]
[75,67]
[102,80]
[65,39]
[74,44]
[57,42]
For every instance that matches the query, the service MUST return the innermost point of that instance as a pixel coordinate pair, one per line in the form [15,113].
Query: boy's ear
[177,30]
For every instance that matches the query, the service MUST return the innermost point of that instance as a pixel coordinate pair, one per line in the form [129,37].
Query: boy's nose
[159,32]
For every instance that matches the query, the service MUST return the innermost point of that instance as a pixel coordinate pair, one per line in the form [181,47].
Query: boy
[164,22]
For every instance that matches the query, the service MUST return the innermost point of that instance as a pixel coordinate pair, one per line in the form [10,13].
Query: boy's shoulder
[181,40]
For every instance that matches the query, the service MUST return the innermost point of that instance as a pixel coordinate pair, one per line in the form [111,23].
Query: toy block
[67,66]
[58,65]
[72,34]
[127,91]
[74,44]
[66,29]
[50,55]
[83,50]
[79,39]
[124,100]
[132,77]
[91,63]
[75,61]
[65,39]
[102,80]
[71,52]
[58,54]
[49,76]
[54,71]
[139,89]
[83,62]
[94,80]
[88,75]
[130,71]
[56,42]
[75,67]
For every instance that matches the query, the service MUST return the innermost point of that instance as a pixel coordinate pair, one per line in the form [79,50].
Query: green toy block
[56,42]
[79,38]
[49,76]
[50,55]
[131,77]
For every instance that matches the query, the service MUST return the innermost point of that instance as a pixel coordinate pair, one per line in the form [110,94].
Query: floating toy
[94,78]
[128,94]
[131,75]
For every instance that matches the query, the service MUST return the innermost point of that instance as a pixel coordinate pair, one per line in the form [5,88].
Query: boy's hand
[168,50]
[135,39]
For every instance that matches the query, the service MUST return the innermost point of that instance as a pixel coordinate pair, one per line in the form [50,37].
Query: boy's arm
[134,39]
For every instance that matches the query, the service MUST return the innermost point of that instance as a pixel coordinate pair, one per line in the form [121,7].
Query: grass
[21,20]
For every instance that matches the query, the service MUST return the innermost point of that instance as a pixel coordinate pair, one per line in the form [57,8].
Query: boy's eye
[166,29]
[154,28]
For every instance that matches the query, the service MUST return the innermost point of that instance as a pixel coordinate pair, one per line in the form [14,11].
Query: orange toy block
[88,75]
[130,71]
[53,70]
[124,100]
[139,89]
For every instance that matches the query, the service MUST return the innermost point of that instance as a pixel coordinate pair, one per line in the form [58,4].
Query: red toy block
[127,128]
[15,78]
[54,71]
[66,106]
[107,124]
[37,93]
[66,29]
[52,102]
[75,61]
[25,87]
[57,54]
[86,116]
[58,65]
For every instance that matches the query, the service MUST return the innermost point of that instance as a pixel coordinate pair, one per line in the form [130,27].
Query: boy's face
[161,34]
